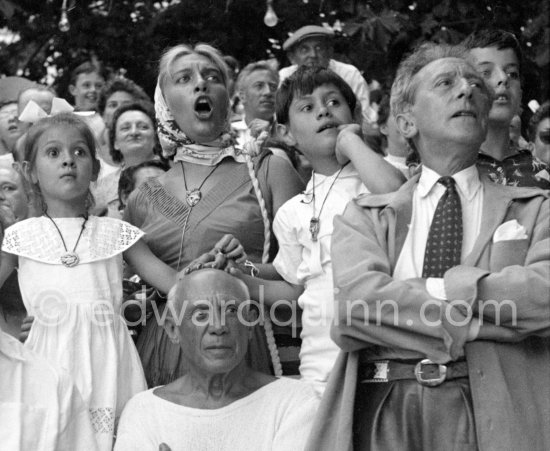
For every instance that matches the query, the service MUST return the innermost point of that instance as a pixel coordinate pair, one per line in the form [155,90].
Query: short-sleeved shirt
[520,169]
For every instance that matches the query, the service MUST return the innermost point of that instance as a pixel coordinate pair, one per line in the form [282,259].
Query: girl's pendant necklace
[315,221]
[69,259]
[193,196]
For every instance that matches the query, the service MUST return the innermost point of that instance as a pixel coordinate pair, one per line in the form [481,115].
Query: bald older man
[221,403]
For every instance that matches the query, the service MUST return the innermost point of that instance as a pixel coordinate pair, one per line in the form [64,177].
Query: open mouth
[327,127]
[203,107]
[501,98]
[465,113]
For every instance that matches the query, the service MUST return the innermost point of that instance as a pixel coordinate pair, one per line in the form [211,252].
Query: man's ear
[72,89]
[284,133]
[28,172]
[172,330]
[406,124]
[242,96]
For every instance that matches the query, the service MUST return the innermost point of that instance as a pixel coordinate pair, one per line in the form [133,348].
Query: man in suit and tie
[442,289]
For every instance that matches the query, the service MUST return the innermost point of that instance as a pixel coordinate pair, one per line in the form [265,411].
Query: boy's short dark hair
[489,37]
[87,68]
[127,181]
[303,82]
[120,84]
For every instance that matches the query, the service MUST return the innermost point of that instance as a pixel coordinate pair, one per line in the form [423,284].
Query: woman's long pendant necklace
[69,259]
[315,221]
[193,196]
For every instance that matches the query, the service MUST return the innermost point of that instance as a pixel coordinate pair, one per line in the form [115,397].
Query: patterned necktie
[444,244]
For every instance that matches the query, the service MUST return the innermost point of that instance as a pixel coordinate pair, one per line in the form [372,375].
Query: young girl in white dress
[70,272]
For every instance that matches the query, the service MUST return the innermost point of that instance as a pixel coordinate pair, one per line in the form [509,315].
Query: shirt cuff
[435,286]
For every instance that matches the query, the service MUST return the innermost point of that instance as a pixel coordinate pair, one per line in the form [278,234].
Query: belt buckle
[433,382]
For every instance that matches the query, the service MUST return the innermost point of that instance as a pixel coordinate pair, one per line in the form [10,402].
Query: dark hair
[120,84]
[67,119]
[542,113]
[500,39]
[384,110]
[303,82]
[87,68]
[147,109]
[127,180]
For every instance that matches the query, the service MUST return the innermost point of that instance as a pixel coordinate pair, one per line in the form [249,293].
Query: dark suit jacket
[509,374]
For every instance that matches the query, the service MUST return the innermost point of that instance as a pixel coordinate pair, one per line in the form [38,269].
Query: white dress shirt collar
[467,181]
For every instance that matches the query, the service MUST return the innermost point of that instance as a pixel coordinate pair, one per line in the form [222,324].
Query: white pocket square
[510,230]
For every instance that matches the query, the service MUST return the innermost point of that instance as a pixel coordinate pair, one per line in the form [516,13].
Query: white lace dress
[77,323]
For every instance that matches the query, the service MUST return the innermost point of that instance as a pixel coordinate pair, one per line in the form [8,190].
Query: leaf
[351,29]
[428,24]
[388,19]
[7,8]
[380,35]
[442,9]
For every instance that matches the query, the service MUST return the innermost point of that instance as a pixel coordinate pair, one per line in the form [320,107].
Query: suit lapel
[402,207]
[495,206]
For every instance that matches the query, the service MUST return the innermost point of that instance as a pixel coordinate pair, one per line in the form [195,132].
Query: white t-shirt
[276,417]
[302,261]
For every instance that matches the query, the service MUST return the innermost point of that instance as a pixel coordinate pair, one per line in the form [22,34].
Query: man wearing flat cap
[312,45]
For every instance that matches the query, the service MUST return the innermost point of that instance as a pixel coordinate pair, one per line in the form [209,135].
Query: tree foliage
[374,34]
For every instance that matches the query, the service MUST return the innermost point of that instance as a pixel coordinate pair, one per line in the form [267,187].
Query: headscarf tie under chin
[177,145]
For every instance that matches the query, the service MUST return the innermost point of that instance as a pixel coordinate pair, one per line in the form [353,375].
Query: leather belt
[425,371]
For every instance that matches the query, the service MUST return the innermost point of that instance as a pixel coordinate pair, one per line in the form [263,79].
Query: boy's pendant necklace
[69,259]
[315,221]
[193,196]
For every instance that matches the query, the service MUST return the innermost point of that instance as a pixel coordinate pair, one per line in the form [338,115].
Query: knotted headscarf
[175,143]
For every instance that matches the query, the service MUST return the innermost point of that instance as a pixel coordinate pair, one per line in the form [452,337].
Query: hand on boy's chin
[346,140]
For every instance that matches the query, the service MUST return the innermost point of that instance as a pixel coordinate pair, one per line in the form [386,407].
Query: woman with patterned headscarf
[214,189]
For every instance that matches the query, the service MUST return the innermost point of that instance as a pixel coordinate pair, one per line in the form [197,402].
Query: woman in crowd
[211,190]
[132,140]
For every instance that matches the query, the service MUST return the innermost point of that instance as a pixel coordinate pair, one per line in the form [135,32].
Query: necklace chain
[69,259]
[193,196]
[315,221]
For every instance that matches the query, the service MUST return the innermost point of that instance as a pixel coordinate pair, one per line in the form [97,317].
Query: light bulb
[270,18]
[64,24]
